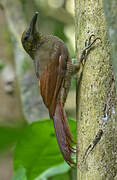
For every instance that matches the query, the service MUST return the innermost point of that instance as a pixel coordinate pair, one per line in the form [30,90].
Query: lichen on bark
[94,95]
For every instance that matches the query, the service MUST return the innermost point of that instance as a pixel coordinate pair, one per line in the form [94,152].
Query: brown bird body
[50,57]
[53,69]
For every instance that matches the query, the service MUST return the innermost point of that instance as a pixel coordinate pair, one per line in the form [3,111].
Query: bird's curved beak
[32,26]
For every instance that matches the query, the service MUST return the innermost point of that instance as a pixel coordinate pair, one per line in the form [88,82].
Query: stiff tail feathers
[63,134]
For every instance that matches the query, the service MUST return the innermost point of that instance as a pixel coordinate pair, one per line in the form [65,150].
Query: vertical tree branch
[96,99]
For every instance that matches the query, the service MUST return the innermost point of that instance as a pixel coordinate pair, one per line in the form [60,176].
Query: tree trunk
[110,9]
[96,97]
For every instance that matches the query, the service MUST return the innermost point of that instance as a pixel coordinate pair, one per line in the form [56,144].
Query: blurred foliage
[6,45]
[26,65]
[20,174]
[37,150]
[2,65]
[9,136]
[56,172]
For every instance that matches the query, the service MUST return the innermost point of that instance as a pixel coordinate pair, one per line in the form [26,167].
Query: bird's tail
[63,133]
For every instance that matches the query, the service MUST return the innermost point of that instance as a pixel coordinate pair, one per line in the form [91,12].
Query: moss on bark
[94,92]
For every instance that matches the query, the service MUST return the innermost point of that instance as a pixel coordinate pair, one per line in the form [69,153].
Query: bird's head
[30,36]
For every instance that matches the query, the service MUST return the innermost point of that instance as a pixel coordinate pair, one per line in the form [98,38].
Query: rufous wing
[51,83]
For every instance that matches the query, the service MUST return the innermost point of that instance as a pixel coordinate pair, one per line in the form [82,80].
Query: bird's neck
[42,37]
[40,40]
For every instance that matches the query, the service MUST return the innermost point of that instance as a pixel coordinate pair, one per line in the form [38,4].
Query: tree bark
[110,10]
[96,97]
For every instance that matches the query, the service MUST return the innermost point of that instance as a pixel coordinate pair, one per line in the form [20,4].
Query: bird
[54,70]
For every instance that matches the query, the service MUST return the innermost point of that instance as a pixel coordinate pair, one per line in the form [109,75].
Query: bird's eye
[26,37]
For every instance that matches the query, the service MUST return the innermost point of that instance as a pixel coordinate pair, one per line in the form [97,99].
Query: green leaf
[38,150]
[60,169]
[8,136]
[20,174]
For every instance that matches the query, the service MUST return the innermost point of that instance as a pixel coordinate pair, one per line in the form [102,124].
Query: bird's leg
[72,69]
[88,45]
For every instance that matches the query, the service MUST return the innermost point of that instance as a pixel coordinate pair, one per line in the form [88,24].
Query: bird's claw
[88,42]
[88,45]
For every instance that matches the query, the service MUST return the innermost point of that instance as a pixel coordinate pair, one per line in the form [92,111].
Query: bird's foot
[88,45]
